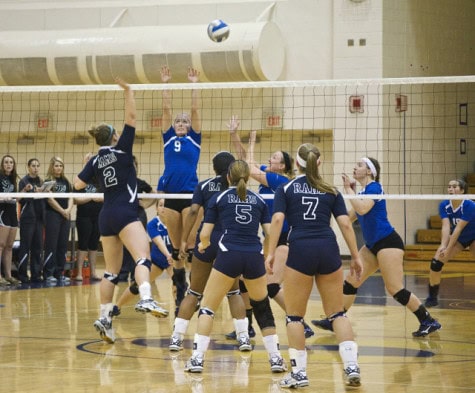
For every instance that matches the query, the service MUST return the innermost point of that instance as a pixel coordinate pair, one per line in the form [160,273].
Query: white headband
[301,161]
[370,165]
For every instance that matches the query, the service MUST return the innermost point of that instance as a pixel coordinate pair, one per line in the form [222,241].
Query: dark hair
[310,154]
[30,161]
[102,134]
[463,185]
[239,173]
[289,164]
[221,162]
[12,176]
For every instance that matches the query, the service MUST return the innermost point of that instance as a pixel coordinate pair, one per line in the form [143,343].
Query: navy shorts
[8,215]
[314,256]
[234,263]
[177,204]
[161,263]
[391,241]
[212,251]
[112,221]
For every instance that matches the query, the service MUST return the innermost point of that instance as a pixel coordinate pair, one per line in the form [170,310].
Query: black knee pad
[113,278]
[293,318]
[242,286]
[179,276]
[198,295]
[189,255]
[436,265]
[176,254]
[339,314]
[349,289]
[402,296]
[206,311]
[263,313]
[134,288]
[144,262]
[233,292]
[273,290]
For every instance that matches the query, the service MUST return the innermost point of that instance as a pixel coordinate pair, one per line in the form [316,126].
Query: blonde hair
[238,174]
[50,173]
[310,155]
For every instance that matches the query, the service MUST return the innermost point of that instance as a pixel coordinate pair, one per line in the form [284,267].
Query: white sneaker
[152,307]
[176,344]
[194,365]
[104,327]
[277,364]
[294,380]
[352,375]
[244,344]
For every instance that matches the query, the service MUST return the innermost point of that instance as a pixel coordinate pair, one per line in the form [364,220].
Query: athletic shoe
[115,311]
[65,280]
[104,327]
[324,324]
[431,302]
[4,282]
[13,281]
[277,364]
[352,376]
[427,326]
[51,280]
[308,330]
[232,335]
[176,344]
[294,380]
[152,307]
[244,344]
[194,365]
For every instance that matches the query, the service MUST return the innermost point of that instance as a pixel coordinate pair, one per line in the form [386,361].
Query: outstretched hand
[122,83]
[193,75]
[165,74]
[233,124]
[347,182]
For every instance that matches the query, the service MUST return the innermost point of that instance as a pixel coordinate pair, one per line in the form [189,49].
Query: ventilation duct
[253,52]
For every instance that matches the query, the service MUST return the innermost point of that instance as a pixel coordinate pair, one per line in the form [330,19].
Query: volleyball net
[421,130]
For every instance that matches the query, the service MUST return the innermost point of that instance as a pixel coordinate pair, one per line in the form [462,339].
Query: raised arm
[193,77]
[130,109]
[233,125]
[256,173]
[166,100]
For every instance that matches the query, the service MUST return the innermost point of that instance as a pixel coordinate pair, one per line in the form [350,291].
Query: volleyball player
[279,170]
[308,203]
[458,233]
[383,249]
[203,262]
[58,224]
[32,221]
[182,147]
[240,212]
[160,253]
[113,167]
[8,218]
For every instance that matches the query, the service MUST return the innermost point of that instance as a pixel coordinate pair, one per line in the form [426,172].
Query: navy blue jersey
[203,193]
[240,220]
[113,167]
[465,212]
[181,155]
[375,224]
[31,208]
[61,185]
[308,210]
[91,208]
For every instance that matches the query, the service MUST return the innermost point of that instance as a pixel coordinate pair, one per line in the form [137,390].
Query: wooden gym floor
[48,344]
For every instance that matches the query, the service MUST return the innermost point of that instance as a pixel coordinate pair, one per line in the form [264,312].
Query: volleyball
[218,30]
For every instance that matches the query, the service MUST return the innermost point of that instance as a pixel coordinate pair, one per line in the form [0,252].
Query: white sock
[349,353]
[145,291]
[298,359]
[241,327]
[271,343]
[201,344]
[180,326]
